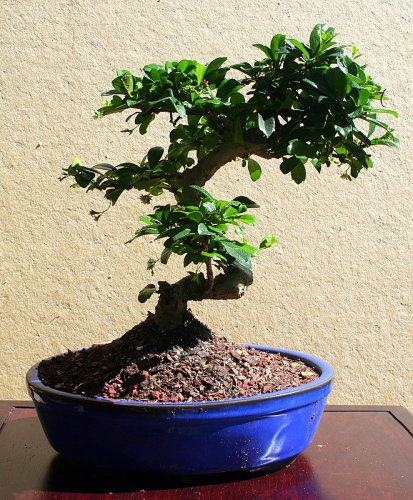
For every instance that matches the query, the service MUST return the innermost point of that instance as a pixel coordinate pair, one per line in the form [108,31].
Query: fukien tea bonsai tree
[301,106]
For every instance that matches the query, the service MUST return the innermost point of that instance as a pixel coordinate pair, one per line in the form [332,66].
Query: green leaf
[356,113]
[131,104]
[300,47]
[176,232]
[220,228]
[146,219]
[376,122]
[254,169]
[84,177]
[183,65]
[182,234]
[131,166]
[234,250]
[146,293]
[386,111]
[214,256]
[213,65]
[247,219]
[200,73]
[268,241]
[364,96]
[337,81]
[195,216]
[110,92]
[193,121]
[166,253]
[179,108]
[231,212]
[288,164]
[209,206]
[145,123]
[203,191]
[237,98]
[277,42]
[385,142]
[343,131]
[355,168]
[358,153]
[247,202]
[228,87]
[363,138]
[244,67]
[154,155]
[188,259]
[127,80]
[315,38]
[267,51]
[317,164]
[298,173]
[300,148]
[123,83]
[146,230]
[76,161]
[267,126]
[250,249]
[203,230]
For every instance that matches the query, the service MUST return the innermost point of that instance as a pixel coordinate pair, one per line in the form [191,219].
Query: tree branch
[228,151]
[173,299]
[210,276]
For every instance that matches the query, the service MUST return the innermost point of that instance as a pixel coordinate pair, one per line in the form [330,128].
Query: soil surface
[190,365]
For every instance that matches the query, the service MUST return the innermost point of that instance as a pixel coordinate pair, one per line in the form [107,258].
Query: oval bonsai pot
[258,432]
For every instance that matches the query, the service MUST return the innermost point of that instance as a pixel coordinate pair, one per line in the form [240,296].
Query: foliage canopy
[309,105]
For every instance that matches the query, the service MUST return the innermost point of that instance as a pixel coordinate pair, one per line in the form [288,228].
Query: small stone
[154,395]
[236,355]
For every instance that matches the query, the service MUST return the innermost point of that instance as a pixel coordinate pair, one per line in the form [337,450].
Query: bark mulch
[190,365]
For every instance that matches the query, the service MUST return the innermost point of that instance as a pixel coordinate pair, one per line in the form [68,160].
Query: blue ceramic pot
[252,433]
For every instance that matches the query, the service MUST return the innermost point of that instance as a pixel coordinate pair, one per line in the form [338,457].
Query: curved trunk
[173,299]
[232,284]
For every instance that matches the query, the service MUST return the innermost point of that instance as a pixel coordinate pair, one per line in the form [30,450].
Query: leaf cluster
[308,102]
[200,233]
[323,96]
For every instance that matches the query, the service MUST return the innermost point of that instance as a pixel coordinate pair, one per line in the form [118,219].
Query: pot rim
[325,371]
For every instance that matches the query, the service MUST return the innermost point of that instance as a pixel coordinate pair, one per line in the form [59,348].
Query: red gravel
[190,365]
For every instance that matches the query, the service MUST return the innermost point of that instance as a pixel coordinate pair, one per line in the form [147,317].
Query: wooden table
[359,452]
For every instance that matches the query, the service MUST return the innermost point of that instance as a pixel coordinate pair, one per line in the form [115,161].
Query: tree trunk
[173,299]
[234,281]
[171,307]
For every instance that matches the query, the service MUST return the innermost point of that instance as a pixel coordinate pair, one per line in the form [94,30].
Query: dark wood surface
[359,452]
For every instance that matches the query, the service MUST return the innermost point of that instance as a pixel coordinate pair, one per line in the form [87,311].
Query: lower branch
[173,299]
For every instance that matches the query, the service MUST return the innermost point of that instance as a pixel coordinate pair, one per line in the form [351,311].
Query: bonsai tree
[302,105]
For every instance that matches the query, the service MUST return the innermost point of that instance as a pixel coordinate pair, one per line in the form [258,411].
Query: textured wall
[339,283]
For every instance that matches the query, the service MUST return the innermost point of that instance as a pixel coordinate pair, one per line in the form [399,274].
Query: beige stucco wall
[338,284]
